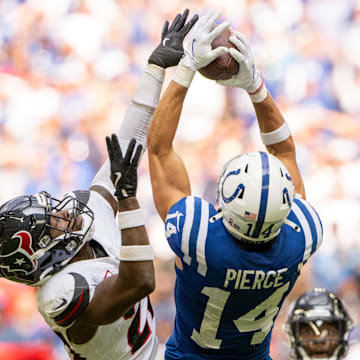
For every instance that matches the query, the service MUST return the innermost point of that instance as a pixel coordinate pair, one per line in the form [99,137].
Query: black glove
[123,169]
[171,49]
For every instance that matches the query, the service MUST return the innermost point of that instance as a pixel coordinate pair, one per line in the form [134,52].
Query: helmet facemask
[318,327]
[319,339]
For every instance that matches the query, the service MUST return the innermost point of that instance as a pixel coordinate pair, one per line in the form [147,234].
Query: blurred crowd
[68,69]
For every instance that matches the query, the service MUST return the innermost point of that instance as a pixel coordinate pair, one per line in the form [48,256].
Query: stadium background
[68,70]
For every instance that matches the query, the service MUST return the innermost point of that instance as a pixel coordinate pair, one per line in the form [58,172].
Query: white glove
[248,77]
[198,52]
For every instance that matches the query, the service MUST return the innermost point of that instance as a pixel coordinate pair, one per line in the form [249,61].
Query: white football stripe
[306,228]
[319,233]
[189,218]
[201,239]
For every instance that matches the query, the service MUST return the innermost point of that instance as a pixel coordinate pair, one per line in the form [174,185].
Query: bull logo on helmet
[21,258]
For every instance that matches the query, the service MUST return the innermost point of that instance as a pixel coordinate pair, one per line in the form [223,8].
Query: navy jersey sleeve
[186,229]
[310,224]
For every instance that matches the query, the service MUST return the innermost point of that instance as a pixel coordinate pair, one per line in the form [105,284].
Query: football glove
[170,50]
[123,169]
[198,52]
[248,77]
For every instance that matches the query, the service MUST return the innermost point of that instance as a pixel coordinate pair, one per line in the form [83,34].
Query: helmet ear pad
[255,193]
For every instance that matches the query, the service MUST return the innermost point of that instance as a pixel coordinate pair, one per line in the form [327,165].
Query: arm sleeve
[137,118]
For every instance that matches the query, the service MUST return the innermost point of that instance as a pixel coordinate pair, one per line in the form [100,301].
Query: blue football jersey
[227,298]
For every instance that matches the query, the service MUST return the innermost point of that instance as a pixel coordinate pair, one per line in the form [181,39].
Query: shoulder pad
[70,300]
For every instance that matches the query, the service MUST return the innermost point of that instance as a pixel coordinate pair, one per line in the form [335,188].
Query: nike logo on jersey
[118,177]
[63,302]
[164,41]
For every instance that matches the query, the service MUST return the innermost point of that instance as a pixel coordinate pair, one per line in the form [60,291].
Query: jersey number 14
[206,337]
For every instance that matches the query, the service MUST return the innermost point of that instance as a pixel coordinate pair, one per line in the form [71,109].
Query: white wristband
[130,219]
[136,253]
[183,75]
[260,93]
[276,136]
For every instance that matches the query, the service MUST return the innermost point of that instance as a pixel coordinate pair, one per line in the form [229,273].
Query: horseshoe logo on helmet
[238,191]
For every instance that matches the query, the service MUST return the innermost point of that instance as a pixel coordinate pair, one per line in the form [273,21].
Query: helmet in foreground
[255,193]
[28,253]
[318,327]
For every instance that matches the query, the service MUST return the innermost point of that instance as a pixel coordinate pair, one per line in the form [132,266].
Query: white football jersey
[62,299]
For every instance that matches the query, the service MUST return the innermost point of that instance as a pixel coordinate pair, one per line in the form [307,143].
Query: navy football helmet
[318,326]
[28,253]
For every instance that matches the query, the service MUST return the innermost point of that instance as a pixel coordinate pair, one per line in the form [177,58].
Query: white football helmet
[255,193]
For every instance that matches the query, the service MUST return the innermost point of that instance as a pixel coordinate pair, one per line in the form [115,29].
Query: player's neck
[257,247]
[85,253]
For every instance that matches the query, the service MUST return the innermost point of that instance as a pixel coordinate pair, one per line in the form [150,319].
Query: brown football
[225,66]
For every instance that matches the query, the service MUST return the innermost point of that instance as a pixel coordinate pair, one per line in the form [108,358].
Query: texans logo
[25,244]
[24,249]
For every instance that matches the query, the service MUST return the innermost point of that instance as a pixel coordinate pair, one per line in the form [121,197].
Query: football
[225,66]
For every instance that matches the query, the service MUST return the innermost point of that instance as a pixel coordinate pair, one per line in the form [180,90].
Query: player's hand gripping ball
[225,66]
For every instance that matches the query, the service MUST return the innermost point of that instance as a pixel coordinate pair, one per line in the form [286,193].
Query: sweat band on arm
[260,93]
[130,219]
[276,136]
[136,253]
[183,75]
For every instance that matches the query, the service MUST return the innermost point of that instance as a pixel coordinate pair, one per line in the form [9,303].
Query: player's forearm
[136,121]
[133,235]
[138,273]
[165,120]
[143,103]
[278,140]
[270,119]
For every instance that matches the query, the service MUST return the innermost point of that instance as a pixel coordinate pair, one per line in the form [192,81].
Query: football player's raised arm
[146,97]
[169,178]
[272,123]
[275,133]
[115,295]
[135,124]
[135,280]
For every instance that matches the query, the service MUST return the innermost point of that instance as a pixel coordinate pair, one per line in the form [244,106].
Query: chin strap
[216,217]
